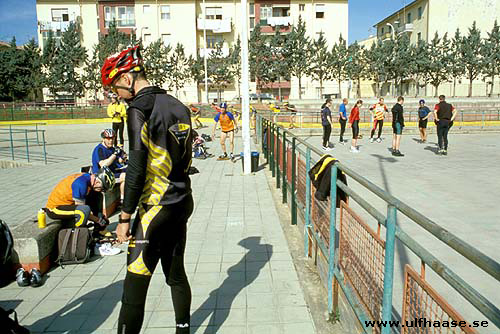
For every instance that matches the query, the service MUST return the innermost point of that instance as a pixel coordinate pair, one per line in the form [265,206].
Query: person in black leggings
[444,115]
[354,123]
[118,113]
[342,119]
[157,181]
[326,121]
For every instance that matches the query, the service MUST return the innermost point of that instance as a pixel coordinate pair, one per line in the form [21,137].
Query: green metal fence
[289,159]
[19,143]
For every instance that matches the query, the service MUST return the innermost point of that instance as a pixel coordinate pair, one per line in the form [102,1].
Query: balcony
[274,21]
[216,26]
[408,27]
[209,51]
[54,26]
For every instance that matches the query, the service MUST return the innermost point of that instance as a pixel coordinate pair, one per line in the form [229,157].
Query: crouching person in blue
[115,158]
[76,199]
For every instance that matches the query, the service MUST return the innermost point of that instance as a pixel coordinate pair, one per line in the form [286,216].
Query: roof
[6,45]
[397,12]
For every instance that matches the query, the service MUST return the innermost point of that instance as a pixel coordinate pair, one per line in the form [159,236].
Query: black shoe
[36,277]
[398,154]
[22,277]
[444,152]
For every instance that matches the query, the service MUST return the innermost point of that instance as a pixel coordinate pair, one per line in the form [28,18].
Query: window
[252,9]
[320,11]
[213,40]
[280,11]
[252,22]
[124,16]
[165,12]
[419,13]
[56,36]
[302,7]
[382,30]
[146,9]
[147,39]
[265,12]
[60,15]
[213,13]
[408,18]
[166,39]
[419,36]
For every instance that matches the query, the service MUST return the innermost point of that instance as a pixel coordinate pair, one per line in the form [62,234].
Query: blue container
[254,156]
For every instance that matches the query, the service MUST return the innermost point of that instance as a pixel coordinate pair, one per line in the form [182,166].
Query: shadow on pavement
[232,286]
[97,304]
[433,149]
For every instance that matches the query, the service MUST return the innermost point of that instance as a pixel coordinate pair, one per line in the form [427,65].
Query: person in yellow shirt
[228,126]
[118,114]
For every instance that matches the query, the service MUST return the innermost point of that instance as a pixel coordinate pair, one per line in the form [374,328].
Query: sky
[18,18]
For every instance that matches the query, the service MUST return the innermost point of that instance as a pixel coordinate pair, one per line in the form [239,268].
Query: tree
[197,71]
[402,57]
[258,57]
[49,57]
[375,69]
[92,73]
[277,67]
[356,65]
[178,73]
[71,55]
[491,54]
[320,61]
[157,63]
[457,68]
[470,55]
[34,67]
[437,71]
[420,60]
[235,60]
[338,65]
[296,52]
[113,42]
[218,72]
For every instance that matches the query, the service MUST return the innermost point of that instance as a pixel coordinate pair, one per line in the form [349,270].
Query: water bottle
[42,222]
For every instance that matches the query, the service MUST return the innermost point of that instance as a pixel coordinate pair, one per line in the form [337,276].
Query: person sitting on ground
[76,199]
[196,116]
[105,154]
[228,126]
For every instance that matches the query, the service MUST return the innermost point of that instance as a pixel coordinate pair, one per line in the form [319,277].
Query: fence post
[333,222]
[389,266]
[284,172]
[482,119]
[277,157]
[294,178]
[11,142]
[308,203]
[44,149]
[27,145]
[271,165]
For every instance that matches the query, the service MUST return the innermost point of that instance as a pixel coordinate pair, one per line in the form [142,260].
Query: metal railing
[21,143]
[290,159]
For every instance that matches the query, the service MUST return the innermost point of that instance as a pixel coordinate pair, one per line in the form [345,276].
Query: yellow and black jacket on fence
[320,175]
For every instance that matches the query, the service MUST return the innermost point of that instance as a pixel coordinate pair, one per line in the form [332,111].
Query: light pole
[392,29]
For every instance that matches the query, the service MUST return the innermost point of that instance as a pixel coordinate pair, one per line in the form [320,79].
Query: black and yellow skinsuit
[158,185]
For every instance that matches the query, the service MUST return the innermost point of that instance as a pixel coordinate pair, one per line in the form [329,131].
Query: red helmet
[128,60]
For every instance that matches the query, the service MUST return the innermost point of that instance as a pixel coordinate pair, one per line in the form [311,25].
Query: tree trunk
[321,88]
[340,90]
[492,85]
[358,88]
[279,89]
[470,86]
[454,87]
[300,88]
[417,87]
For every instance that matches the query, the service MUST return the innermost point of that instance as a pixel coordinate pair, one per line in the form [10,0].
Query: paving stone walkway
[242,275]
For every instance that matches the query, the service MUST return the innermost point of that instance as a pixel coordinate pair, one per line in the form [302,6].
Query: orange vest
[62,194]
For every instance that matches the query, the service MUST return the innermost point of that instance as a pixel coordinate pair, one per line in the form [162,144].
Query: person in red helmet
[157,183]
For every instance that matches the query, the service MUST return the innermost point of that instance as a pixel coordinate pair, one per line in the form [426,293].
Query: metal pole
[205,48]
[277,157]
[333,221]
[11,142]
[245,87]
[389,266]
[308,203]
[27,149]
[284,171]
[294,196]
[271,154]
[44,149]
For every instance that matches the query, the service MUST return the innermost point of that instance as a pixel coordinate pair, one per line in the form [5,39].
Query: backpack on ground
[74,245]
[6,246]
[11,325]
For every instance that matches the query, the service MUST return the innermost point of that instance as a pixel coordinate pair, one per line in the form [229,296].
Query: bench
[33,246]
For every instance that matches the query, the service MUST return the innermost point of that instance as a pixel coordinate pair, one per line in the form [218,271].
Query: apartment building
[194,23]
[421,19]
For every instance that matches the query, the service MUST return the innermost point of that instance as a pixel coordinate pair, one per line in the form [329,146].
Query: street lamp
[392,29]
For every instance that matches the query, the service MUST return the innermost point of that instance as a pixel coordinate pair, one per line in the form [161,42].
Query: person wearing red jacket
[354,124]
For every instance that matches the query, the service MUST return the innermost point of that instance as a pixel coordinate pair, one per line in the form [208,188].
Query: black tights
[160,235]
[327,130]
[443,127]
[118,129]
[342,128]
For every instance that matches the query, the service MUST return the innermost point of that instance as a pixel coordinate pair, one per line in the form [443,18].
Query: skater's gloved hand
[103,221]
[236,130]
[118,151]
